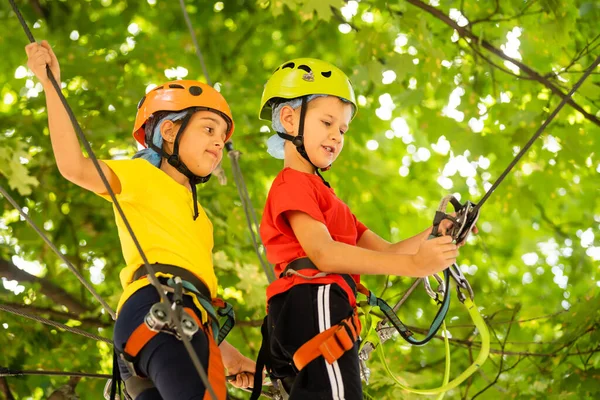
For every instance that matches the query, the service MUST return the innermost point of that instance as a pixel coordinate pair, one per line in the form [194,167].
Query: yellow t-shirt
[160,212]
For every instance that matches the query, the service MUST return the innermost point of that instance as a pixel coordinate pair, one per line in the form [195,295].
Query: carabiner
[435,295]
[461,282]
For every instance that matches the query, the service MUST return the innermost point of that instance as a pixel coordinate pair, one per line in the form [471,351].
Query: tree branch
[464,32]
[5,389]
[54,292]
[522,13]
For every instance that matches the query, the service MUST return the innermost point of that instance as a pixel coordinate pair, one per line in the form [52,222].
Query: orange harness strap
[143,334]
[331,344]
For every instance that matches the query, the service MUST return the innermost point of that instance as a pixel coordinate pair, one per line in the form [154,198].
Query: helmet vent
[195,90]
[326,74]
[305,68]
[176,86]
[141,102]
[289,65]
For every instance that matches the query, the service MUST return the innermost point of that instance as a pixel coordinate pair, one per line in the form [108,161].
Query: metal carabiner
[434,294]
[466,218]
[461,282]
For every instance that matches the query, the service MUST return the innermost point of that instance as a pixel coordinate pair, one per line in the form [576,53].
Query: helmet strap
[175,161]
[298,140]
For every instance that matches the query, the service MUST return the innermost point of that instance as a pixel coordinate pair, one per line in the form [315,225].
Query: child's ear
[168,131]
[287,119]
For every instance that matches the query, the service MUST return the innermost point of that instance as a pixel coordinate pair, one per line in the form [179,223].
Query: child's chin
[203,171]
[323,164]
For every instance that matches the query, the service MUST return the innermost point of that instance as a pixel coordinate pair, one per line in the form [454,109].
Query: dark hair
[150,124]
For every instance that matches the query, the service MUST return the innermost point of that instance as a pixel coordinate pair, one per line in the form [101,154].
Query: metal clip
[365,372]
[188,325]
[158,317]
[466,217]
[461,283]
[441,289]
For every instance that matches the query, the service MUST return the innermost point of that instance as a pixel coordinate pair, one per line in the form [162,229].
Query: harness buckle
[129,364]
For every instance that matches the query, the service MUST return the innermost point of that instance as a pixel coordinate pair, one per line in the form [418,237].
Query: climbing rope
[250,213]
[188,22]
[151,274]
[72,268]
[484,352]
[58,325]
[537,134]
[463,222]
[9,372]
[234,156]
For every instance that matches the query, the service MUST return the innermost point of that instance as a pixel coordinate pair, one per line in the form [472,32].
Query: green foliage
[547,209]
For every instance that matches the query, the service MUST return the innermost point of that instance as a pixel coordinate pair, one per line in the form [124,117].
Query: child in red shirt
[317,245]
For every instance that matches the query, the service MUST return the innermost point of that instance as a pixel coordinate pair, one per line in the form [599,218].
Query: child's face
[201,146]
[326,121]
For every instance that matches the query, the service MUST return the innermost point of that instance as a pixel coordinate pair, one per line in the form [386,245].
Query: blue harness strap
[223,309]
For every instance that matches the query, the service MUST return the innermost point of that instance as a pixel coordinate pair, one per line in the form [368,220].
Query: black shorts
[294,318]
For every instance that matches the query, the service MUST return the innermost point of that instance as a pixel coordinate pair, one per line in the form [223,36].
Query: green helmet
[302,77]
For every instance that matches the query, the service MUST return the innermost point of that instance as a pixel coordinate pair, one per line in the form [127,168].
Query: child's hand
[40,55]
[446,225]
[243,370]
[435,255]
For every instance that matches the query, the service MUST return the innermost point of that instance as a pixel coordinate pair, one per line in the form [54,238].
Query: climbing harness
[157,320]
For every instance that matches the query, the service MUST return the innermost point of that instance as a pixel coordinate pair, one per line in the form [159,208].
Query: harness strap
[331,344]
[196,286]
[174,270]
[299,264]
[406,334]
[263,360]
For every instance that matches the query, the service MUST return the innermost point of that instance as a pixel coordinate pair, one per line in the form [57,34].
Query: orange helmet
[177,96]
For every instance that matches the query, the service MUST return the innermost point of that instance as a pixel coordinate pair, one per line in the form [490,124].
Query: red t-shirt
[299,191]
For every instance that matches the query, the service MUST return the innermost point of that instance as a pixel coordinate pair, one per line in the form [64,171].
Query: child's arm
[71,162]
[370,240]
[330,256]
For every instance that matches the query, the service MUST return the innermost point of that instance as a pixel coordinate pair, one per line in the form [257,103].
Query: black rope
[58,325]
[60,255]
[9,372]
[195,40]
[151,274]
[537,134]
[234,156]
[249,212]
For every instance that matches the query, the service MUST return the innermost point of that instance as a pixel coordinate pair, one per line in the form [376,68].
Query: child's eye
[209,129]
[327,123]
[342,132]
